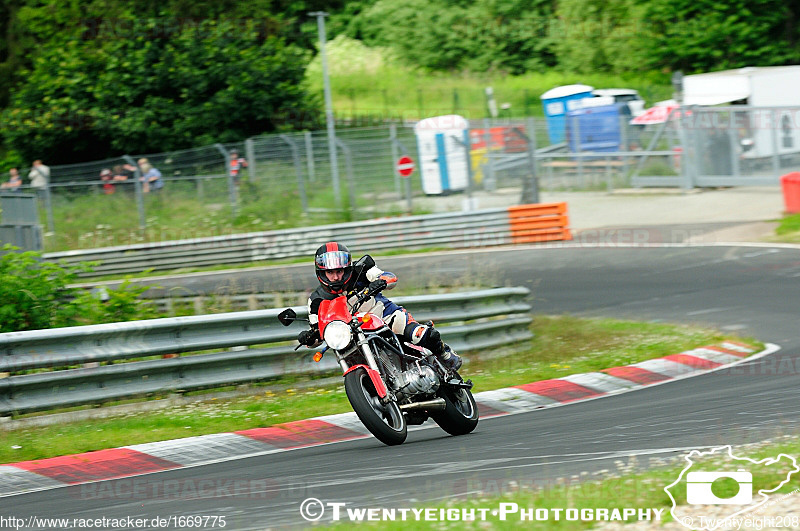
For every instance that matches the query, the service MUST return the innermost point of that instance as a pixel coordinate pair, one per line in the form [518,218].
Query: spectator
[14,181]
[39,175]
[237,163]
[108,179]
[151,177]
[123,172]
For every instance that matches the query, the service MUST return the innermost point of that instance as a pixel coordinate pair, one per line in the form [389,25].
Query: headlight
[337,335]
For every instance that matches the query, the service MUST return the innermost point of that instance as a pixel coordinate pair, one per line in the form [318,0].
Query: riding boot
[448,356]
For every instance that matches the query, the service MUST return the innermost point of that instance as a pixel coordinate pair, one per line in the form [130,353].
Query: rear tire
[460,415]
[385,421]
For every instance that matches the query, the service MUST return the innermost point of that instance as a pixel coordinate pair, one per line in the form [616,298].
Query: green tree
[487,35]
[702,35]
[144,85]
[598,36]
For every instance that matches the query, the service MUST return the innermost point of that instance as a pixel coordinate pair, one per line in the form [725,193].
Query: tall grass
[370,81]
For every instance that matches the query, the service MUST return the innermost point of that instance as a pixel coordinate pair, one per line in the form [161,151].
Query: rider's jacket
[378,305]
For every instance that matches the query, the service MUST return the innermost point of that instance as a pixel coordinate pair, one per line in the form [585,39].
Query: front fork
[362,342]
[372,369]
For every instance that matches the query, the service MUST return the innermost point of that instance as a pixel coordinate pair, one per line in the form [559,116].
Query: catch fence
[288,180]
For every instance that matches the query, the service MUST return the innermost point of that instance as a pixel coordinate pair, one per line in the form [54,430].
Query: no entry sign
[405,166]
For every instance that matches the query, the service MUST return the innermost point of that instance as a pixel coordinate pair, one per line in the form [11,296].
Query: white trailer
[770,126]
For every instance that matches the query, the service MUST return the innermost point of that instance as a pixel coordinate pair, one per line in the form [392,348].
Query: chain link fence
[289,180]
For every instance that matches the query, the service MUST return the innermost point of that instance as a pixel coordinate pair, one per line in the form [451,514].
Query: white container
[443,145]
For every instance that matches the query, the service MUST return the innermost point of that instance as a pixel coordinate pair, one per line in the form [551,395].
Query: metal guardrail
[500,316]
[455,230]
[469,229]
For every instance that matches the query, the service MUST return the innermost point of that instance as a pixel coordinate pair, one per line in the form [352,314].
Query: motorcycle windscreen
[333,310]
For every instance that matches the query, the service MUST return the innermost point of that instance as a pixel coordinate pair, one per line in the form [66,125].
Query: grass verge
[623,488]
[789,229]
[561,346]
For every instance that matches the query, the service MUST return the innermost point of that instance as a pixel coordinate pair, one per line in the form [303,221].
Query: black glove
[377,285]
[307,337]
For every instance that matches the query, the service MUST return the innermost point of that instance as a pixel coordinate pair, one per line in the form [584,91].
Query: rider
[336,276]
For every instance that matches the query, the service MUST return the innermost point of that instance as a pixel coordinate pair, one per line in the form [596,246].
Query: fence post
[776,156]
[489,183]
[397,148]
[48,205]
[250,153]
[686,182]
[626,147]
[231,185]
[695,168]
[467,144]
[310,156]
[531,122]
[530,184]
[298,169]
[137,180]
[395,157]
[733,140]
[576,130]
[348,157]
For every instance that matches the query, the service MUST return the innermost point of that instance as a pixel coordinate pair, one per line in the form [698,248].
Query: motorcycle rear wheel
[460,415]
[384,421]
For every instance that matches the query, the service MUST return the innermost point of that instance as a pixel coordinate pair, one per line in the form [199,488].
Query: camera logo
[700,487]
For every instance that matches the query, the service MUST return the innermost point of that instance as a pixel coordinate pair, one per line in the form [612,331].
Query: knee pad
[423,336]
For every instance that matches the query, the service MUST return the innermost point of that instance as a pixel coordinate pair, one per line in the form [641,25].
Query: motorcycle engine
[418,380]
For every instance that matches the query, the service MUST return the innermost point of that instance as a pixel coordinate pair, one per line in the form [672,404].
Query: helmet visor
[333,260]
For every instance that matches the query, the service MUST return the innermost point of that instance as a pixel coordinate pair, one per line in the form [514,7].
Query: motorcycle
[390,383]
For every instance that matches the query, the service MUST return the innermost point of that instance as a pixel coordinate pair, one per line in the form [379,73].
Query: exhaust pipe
[437,404]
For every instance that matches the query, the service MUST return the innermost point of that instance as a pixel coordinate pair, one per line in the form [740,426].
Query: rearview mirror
[287,317]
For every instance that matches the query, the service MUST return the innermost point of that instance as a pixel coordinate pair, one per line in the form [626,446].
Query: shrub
[36,294]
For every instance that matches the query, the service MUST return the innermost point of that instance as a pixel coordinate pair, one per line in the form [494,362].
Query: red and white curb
[140,459]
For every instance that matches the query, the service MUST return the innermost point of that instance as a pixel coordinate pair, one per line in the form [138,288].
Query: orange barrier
[540,222]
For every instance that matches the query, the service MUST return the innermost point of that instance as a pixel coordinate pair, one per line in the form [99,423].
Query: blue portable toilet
[597,128]
[557,102]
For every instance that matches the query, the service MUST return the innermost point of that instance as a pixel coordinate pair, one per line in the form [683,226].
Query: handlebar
[373,289]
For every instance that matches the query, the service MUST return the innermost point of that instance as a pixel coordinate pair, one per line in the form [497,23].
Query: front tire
[460,415]
[385,421]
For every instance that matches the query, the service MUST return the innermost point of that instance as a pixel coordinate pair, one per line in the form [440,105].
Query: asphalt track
[753,289]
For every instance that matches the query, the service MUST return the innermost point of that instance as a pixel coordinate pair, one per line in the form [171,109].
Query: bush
[35,294]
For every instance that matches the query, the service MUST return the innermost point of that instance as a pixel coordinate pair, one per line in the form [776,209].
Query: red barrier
[791,192]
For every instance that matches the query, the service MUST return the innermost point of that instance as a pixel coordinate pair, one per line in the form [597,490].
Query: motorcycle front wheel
[384,421]
[460,415]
